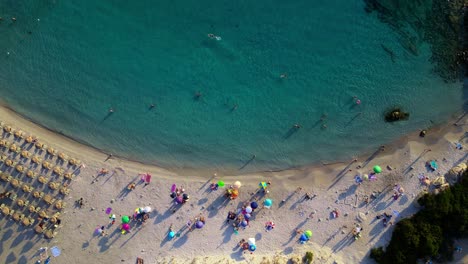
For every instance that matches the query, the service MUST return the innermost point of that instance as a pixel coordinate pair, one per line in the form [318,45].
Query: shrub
[309,257]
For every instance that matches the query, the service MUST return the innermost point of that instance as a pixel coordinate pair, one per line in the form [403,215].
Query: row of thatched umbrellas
[37,194]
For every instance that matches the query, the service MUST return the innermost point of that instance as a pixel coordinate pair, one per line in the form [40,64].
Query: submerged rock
[396,114]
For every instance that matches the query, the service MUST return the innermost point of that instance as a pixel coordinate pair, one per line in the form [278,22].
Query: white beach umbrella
[251,241]
[146,209]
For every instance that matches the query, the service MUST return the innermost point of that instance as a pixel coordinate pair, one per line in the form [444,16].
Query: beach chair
[51,201]
[2,205]
[12,212]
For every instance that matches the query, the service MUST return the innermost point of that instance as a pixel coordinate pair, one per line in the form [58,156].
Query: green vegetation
[309,257]
[431,231]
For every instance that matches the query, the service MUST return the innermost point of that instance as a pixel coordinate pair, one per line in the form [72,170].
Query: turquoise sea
[65,63]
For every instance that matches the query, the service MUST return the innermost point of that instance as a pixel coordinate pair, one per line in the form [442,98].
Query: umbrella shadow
[371,157]
[181,240]
[247,162]
[217,204]
[282,203]
[294,233]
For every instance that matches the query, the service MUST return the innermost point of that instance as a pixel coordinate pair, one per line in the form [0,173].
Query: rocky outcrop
[455,173]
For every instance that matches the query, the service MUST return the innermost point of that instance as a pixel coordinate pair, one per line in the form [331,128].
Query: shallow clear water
[83,57]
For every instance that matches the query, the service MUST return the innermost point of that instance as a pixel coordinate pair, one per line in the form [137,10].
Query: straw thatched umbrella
[74,162]
[29,139]
[43,214]
[13,147]
[62,156]
[5,177]
[32,209]
[6,210]
[53,185]
[15,183]
[58,170]
[19,168]
[19,134]
[59,205]
[42,179]
[68,176]
[49,234]
[3,143]
[20,202]
[26,188]
[38,229]
[51,151]
[16,216]
[39,145]
[26,221]
[36,159]
[25,154]
[8,129]
[31,174]
[9,163]
[37,194]
[47,165]
[65,191]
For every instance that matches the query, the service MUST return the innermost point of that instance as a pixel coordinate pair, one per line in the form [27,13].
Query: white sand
[216,243]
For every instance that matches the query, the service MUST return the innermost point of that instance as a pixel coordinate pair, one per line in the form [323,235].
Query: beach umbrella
[248,209]
[199,224]
[173,195]
[171,234]
[179,199]
[308,233]
[55,251]
[147,209]
[237,184]
[267,203]
[185,196]
[377,169]
[358,179]
[221,184]
[173,188]
[126,227]
[270,225]
[263,185]
[125,219]
[373,177]
[108,210]
[112,216]
[247,216]
[252,248]
[254,205]
[251,241]
[244,223]
[365,177]
[303,238]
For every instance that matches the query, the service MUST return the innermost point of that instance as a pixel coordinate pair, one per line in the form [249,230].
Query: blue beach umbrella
[303,238]
[254,205]
[171,234]
[252,248]
[267,202]
[244,223]
[247,216]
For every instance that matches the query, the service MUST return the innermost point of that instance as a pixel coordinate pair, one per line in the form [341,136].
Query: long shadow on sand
[219,202]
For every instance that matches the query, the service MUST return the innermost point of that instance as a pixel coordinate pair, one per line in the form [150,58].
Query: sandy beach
[333,187]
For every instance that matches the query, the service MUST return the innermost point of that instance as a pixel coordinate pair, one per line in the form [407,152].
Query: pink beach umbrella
[173,188]
[126,227]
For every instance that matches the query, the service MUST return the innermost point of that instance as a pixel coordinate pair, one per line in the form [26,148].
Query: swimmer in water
[152,106]
[283,76]
[297,126]
[356,100]
[211,36]
[198,95]
[111,110]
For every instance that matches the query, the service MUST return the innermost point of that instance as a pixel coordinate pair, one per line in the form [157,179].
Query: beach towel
[55,251]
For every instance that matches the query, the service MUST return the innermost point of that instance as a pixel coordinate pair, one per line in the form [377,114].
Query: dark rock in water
[396,115]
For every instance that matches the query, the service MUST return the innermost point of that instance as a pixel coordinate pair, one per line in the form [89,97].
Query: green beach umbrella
[268,202]
[220,183]
[377,169]
[125,219]
[308,233]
